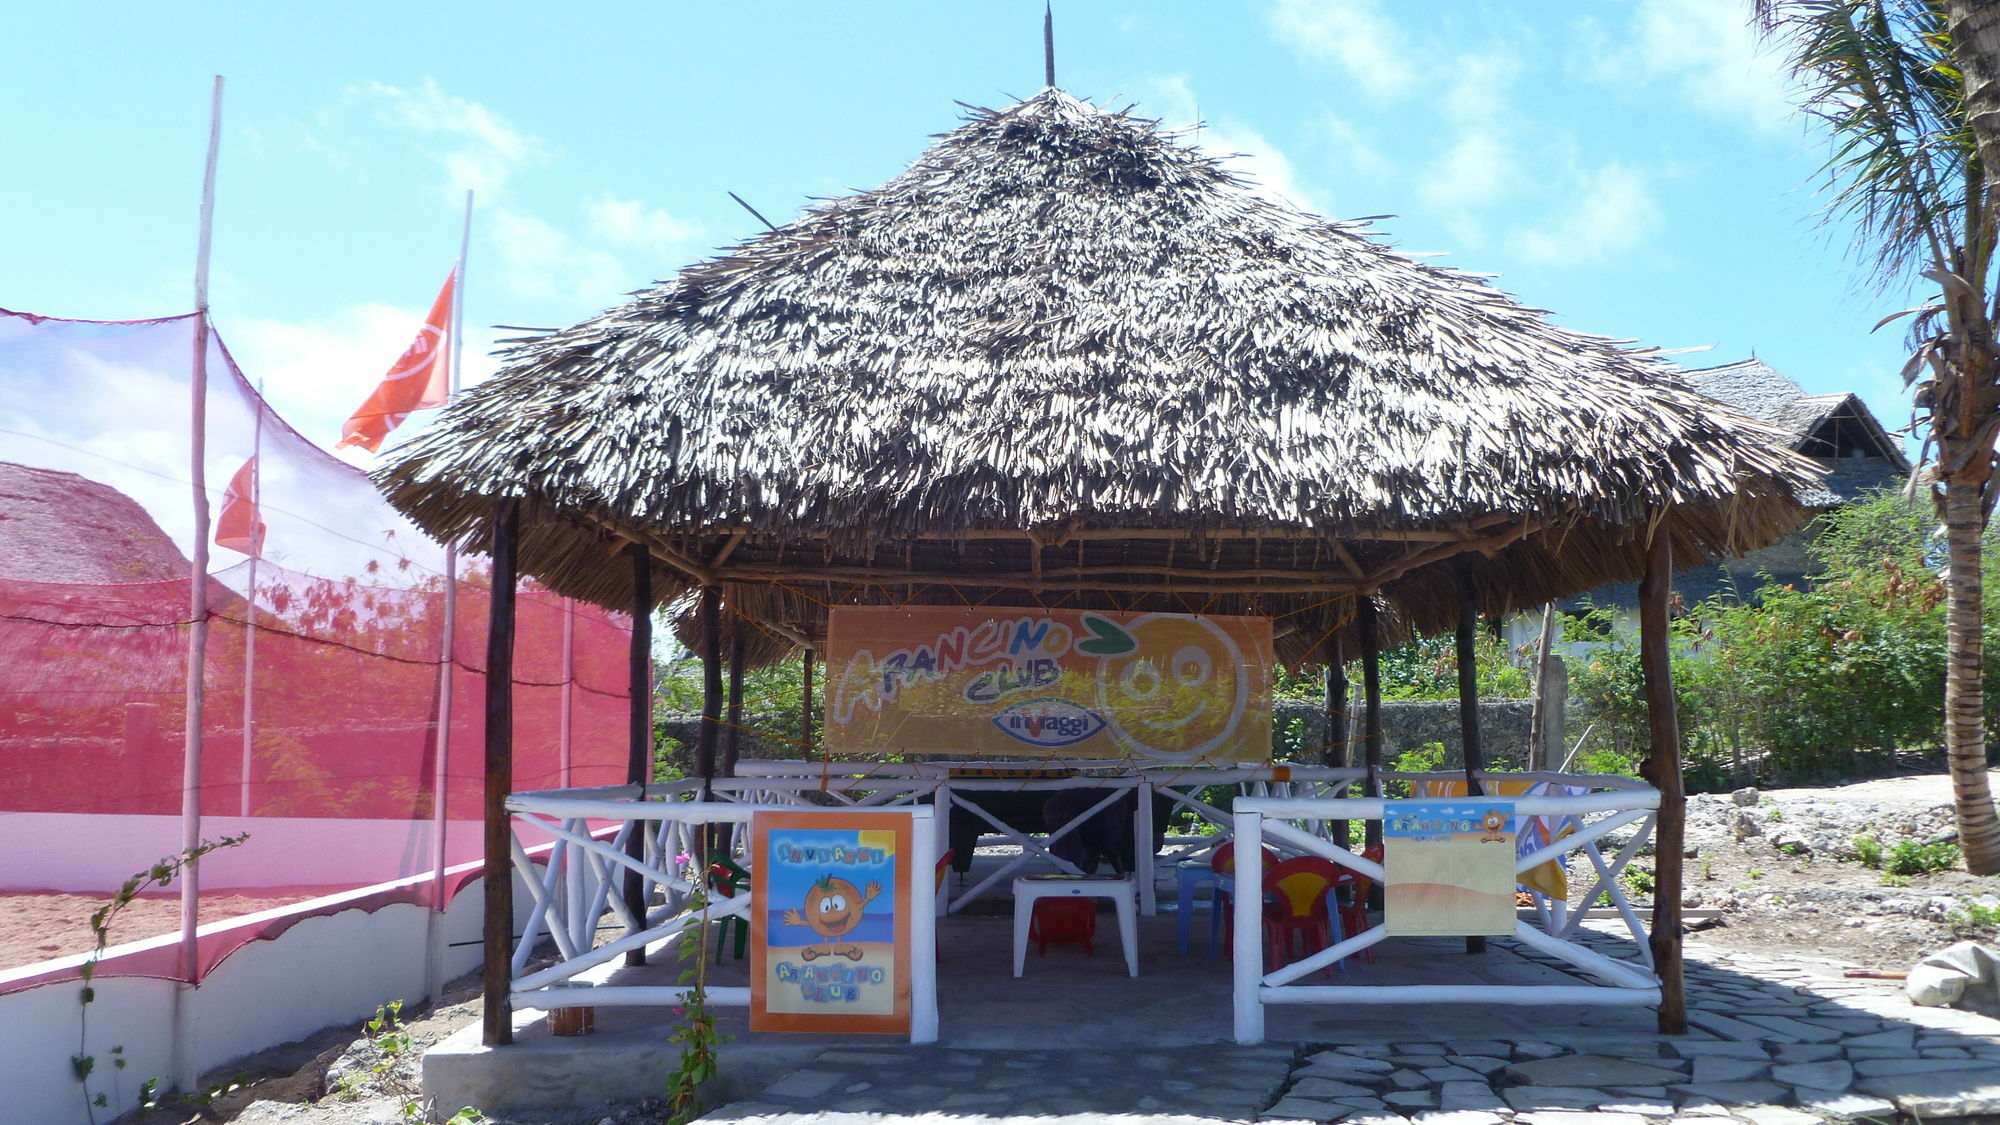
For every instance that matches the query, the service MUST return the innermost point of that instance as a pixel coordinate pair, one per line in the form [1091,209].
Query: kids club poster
[1449,868]
[830,922]
[1039,683]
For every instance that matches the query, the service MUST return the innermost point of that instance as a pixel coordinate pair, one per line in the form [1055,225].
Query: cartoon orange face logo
[1492,823]
[833,908]
[1178,693]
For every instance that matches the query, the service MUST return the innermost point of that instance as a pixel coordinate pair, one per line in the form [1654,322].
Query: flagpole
[186,1070]
[250,614]
[434,958]
[568,685]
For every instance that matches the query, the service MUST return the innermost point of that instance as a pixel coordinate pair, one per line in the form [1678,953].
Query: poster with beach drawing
[830,922]
[1449,867]
[1048,683]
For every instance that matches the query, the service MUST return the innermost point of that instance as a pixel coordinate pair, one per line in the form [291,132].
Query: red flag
[416,382]
[236,525]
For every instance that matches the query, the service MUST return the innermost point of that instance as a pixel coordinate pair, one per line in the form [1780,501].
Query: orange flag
[416,382]
[236,525]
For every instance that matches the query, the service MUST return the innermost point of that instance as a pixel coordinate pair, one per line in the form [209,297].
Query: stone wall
[1407,724]
[1298,731]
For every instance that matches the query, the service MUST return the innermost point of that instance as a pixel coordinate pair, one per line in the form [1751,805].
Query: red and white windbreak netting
[327,648]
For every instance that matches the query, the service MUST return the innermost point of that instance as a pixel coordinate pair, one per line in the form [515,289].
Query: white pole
[568,684]
[441,774]
[1248,902]
[250,608]
[923,928]
[186,1072]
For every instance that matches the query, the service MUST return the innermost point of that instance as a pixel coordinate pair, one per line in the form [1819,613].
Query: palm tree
[1882,77]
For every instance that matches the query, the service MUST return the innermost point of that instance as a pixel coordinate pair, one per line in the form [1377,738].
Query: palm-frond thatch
[1066,358]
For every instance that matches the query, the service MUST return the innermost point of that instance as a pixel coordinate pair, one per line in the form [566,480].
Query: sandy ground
[40,925]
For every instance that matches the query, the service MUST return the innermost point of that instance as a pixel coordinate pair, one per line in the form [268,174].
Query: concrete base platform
[1067,997]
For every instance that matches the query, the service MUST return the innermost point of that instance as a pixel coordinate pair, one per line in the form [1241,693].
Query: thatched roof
[58,527]
[1066,356]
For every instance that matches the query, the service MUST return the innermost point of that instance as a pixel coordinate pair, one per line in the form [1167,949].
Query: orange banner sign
[1160,687]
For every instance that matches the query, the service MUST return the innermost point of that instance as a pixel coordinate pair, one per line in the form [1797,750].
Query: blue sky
[1632,165]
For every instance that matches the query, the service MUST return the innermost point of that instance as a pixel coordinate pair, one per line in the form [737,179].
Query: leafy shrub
[1868,850]
[1974,917]
[1827,680]
[1428,758]
[1908,857]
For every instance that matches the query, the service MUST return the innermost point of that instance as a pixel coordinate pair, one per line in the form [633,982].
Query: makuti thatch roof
[1065,356]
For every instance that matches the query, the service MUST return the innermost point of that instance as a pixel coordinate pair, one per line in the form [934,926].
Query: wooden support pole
[1371,709]
[1662,768]
[710,619]
[732,731]
[639,743]
[1468,694]
[806,705]
[1336,754]
[498,874]
[1468,678]
[1543,721]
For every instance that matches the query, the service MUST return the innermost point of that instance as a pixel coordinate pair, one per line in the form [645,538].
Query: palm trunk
[1975,45]
[1964,695]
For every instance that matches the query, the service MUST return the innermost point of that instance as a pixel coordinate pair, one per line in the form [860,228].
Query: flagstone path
[1772,1043]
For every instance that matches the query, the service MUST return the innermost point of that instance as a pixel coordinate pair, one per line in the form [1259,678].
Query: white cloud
[617,245]
[1612,210]
[1481,165]
[1351,148]
[482,150]
[316,372]
[1705,50]
[631,225]
[1355,35]
[1241,147]
[1478,169]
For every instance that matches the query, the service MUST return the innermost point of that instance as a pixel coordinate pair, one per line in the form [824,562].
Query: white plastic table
[1122,890]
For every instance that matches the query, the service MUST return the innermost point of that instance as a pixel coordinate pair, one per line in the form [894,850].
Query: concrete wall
[1298,730]
[321,972]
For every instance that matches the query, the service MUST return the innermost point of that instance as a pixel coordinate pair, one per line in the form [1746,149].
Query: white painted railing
[895,783]
[585,867]
[1612,805]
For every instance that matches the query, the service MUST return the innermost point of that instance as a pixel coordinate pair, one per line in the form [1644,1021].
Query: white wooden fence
[1611,804]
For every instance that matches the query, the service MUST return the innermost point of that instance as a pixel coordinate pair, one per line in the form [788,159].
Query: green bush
[1868,850]
[1908,857]
[1829,680]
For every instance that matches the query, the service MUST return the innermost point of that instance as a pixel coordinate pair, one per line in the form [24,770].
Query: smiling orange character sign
[833,908]
[1044,683]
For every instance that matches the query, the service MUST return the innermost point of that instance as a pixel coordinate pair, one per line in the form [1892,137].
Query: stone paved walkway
[1773,1043]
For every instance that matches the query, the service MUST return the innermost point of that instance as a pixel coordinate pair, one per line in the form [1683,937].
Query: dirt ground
[1769,872]
[41,925]
[1784,874]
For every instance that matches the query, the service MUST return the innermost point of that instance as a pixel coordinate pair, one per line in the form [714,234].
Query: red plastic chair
[1354,905]
[1063,921]
[1222,861]
[1295,907]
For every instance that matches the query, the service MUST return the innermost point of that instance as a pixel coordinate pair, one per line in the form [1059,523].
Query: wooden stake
[1662,768]
[1468,693]
[639,745]
[1336,753]
[1468,677]
[710,613]
[733,729]
[806,704]
[498,876]
[1539,724]
[1371,692]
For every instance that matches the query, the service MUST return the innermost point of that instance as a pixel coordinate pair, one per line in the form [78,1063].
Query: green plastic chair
[728,879]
